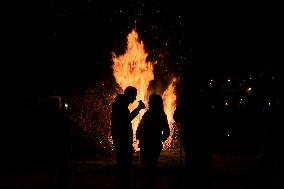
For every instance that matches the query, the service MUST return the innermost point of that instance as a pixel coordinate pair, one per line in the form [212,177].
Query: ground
[229,172]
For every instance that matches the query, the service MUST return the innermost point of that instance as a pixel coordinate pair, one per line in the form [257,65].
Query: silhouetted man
[58,127]
[191,113]
[122,134]
[272,159]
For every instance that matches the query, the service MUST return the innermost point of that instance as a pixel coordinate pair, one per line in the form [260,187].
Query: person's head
[131,93]
[156,102]
[54,104]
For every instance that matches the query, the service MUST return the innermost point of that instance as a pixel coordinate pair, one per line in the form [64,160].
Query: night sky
[69,44]
[189,39]
[85,32]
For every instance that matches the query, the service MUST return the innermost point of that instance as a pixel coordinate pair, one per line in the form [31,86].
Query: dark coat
[153,129]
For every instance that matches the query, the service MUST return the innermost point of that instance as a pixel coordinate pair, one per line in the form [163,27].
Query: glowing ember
[133,69]
[90,109]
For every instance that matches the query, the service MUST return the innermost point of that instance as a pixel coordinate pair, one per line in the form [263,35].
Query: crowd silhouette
[199,111]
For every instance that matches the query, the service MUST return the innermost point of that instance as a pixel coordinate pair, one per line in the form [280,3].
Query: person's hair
[156,102]
[130,91]
[54,103]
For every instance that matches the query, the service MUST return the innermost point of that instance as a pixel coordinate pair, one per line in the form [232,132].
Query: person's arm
[135,112]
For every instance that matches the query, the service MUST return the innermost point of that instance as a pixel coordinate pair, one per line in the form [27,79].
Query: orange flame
[169,98]
[132,69]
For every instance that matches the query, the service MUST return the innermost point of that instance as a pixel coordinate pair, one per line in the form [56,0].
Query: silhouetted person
[152,131]
[192,114]
[58,129]
[272,158]
[122,134]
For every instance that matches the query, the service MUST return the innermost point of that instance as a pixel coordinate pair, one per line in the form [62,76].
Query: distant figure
[152,131]
[192,114]
[122,134]
[272,159]
[59,128]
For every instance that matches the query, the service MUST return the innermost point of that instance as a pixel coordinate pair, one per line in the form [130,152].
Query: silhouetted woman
[152,131]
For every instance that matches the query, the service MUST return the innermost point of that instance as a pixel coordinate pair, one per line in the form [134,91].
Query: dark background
[67,45]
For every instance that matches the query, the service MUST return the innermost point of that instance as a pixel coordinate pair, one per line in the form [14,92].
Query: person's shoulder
[164,115]
[119,98]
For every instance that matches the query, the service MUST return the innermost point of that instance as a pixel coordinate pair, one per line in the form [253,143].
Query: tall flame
[169,99]
[132,69]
